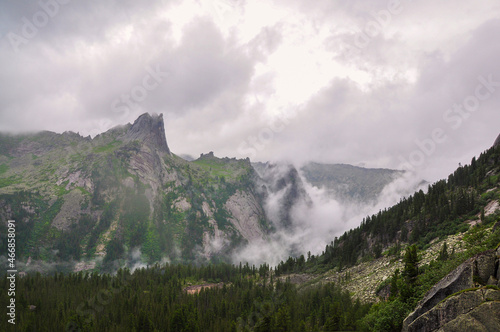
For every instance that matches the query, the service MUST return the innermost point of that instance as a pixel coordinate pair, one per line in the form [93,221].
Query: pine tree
[443,254]
[410,261]
[394,291]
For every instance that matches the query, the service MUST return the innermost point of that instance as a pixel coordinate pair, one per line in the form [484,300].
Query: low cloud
[318,220]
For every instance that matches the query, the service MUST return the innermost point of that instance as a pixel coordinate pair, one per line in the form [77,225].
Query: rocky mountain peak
[150,130]
[209,155]
[497,142]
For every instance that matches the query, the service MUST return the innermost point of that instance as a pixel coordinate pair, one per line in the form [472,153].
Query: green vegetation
[69,243]
[40,233]
[8,142]
[107,148]
[61,190]
[3,168]
[12,180]
[134,219]
[215,168]
[151,246]
[442,211]
[120,215]
[109,213]
[222,170]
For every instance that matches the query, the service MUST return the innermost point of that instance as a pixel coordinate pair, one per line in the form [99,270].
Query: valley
[122,204]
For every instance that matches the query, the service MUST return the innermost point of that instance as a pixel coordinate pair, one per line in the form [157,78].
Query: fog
[317,222]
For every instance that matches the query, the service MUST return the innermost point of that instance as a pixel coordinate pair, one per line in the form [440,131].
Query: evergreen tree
[443,253]
[410,261]
[394,290]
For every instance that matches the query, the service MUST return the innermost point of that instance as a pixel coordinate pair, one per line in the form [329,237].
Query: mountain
[497,142]
[349,183]
[122,193]
[123,196]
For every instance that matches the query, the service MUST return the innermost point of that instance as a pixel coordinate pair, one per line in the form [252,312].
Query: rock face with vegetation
[78,198]
[459,300]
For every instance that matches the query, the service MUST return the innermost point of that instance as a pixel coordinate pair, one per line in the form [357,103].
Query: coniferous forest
[242,298]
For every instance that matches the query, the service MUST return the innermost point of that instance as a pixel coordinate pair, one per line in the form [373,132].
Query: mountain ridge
[349,183]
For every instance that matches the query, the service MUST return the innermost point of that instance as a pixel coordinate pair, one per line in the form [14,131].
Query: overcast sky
[357,81]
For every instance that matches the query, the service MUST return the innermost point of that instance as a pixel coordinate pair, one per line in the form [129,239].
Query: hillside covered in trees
[417,219]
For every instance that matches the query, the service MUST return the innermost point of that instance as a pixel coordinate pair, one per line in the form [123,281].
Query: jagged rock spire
[497,142]
[150,130]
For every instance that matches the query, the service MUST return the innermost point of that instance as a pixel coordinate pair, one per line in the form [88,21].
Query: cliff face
[462,300]
[149,130]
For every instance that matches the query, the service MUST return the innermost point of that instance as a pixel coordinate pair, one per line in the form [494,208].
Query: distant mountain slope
[347,183]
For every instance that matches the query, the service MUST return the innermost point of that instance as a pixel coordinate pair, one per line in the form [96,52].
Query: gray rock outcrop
[452,308]
[150,130]
[246,215]
[447,303]
[497,142]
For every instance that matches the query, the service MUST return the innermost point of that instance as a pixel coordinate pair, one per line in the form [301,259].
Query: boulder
[457,280]
[484,318]
[485,266]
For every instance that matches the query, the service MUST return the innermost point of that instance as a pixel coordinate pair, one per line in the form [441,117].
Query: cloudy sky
[398,84]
